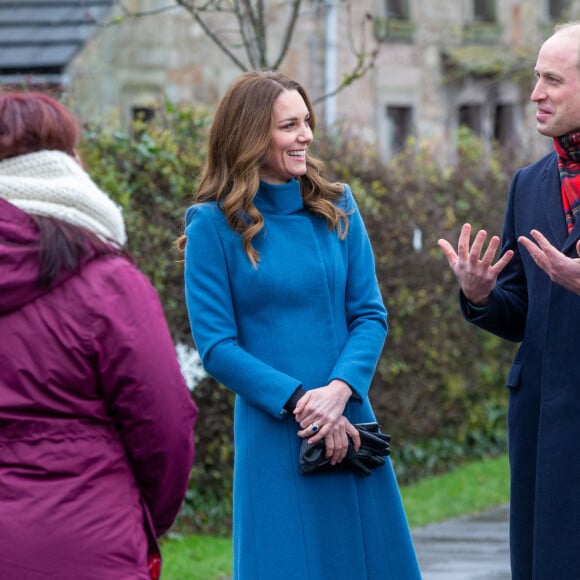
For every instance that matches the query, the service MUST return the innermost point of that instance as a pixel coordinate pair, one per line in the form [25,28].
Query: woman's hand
[336,442]
[320,414]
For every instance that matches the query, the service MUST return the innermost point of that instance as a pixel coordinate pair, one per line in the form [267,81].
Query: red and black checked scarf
[568,149]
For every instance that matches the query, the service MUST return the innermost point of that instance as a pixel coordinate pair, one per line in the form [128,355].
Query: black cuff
[293,400]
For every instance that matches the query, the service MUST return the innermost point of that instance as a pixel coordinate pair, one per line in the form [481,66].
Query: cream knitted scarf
[53,184]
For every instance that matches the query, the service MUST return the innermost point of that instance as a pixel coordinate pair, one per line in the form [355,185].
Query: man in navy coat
[531,295]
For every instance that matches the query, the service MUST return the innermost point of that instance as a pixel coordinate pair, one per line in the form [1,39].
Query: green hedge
[438,376]
[152,172]
[438,389]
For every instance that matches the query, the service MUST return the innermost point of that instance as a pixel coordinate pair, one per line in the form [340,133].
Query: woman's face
[291,135]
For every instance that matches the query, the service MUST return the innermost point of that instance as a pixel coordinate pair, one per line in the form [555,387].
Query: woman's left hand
[337,440]
[320,409]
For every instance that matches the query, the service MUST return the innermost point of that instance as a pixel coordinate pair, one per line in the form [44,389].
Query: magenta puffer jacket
[96,421]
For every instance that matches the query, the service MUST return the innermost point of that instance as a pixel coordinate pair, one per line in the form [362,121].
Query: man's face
[557,90]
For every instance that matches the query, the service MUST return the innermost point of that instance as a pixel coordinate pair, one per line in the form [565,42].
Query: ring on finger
[314,428]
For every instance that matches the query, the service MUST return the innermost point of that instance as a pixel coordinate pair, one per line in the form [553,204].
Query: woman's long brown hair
[239,143]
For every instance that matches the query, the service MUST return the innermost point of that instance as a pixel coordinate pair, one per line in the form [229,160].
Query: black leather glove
[374,447]
[371,454]
[372,440]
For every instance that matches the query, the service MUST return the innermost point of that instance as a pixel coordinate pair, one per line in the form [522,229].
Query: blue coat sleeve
[212,318]
[365,312]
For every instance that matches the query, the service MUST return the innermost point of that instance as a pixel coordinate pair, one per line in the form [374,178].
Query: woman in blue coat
[286,311]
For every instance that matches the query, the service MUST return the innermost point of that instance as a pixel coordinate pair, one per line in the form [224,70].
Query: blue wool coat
[544,407]
[309,313]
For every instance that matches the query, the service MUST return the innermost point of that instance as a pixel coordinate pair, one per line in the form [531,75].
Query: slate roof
[41,37]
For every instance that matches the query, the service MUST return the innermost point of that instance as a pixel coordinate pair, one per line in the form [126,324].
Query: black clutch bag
[373,449]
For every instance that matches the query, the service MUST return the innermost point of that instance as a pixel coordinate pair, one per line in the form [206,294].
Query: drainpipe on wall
[330,63]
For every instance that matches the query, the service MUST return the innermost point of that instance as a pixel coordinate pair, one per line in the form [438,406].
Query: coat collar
[279,199]
[550,183]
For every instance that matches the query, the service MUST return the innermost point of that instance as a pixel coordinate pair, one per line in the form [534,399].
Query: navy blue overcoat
[310,312]
[544,405]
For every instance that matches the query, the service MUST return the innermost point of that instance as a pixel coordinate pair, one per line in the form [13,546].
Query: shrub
[152,172]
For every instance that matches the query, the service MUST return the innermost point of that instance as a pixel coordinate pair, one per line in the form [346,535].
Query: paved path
[466,548]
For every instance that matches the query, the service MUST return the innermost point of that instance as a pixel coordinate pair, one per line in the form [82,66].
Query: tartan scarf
[568,149]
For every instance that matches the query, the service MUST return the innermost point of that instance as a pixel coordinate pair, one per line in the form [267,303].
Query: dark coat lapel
[549,189]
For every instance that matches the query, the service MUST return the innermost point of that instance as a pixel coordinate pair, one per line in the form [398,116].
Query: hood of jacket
[18,258]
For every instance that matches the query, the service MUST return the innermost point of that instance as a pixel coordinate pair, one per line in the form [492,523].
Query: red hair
[33,121]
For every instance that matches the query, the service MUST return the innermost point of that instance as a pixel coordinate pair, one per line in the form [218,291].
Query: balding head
[572,30]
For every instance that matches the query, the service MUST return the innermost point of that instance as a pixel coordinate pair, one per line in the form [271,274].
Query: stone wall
[137,61]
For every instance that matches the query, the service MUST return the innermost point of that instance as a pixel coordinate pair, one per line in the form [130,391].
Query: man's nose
[538,93]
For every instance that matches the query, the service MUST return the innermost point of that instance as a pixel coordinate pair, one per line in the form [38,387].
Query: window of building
[504,130]
[400,127]
[556,9]
[484,10]
[141,113]
[396,24]
[482,26]
[397,9]
[470,117]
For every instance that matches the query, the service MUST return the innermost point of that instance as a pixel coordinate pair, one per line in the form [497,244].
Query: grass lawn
[197,558]
[468,489]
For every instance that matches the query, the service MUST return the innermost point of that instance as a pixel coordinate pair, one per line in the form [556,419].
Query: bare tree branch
[365,60]
[247,26]
[289,33]
[359,71]
[261,33]
[196,12]
[126,12]
[252,33]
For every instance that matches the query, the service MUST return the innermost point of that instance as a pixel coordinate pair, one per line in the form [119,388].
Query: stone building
[439,64]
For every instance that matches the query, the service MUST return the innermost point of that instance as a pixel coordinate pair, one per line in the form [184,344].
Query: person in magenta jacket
[96,421]
[286,311]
